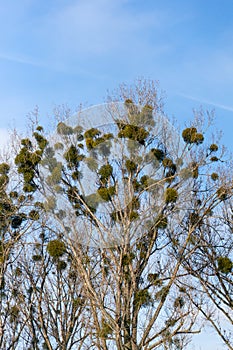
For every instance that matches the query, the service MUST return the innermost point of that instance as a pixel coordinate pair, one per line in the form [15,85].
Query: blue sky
[63,51]
[71,51]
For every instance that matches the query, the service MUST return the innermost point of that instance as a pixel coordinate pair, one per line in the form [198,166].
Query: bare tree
[131,209]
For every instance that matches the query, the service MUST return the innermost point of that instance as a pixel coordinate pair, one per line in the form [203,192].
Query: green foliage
[34,215]
[147,115]
[225,264]
[79,301]
[41,141]
[73,157]
[161,222]
[13,194]
[61,265]
[64,129]
[158,154]
[39,128]
[144,181]
[105,330]
[198,138]
[56,248]
[91,133]
[105,172]
[154,279]
[91,163]
[142,298]
[120,215]
[16,221]
[4,179]
[27,143]
[222,193]
[194,219]
[78,129]
[179,302]
[76,175]
[58,146]
[171,195]
[130,166]
[190,135]
[171,169]
[93,140]
[128,102]
[194,170]
[106,193]
[18,272]
[36,257]
[27,162]
[4,168]
[133,132]
[136,185]
[214,176]
[127,258]
[28,187]
[55,176]
[133,215]
[50,203]
[92,201]
[89,143]
[14,313]
[167,163]
[137,116]
[162,294]
[213,147]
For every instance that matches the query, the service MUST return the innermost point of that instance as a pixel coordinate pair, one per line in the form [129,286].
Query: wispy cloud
[97,27]
[201,100]
[21,59]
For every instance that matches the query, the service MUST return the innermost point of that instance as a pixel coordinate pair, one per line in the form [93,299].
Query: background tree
[211,264]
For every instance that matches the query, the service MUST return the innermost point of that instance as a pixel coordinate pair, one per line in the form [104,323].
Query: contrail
[218,105]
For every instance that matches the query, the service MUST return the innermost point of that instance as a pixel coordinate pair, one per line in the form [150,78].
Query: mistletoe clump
[161,222]
[133,132]
[213,147]
[73,157]
[223,193]
[56,248]
[16,221]
[190,135]
[142,298]
[130,166]
[105,330]
[64,129]
[106,193]
[171,195]
[225,264]
[105,172]
[27,162]
[158,154]
[93,138]
[4,168]
[214,176]
[41,140]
